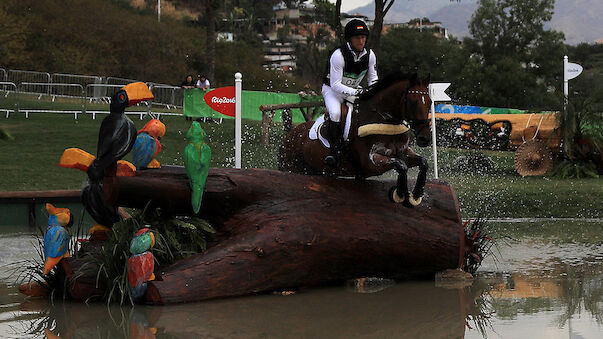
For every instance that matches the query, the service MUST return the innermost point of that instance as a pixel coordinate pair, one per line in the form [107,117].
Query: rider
[347,67]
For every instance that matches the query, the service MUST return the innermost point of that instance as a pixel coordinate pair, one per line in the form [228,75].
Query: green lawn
[29,162]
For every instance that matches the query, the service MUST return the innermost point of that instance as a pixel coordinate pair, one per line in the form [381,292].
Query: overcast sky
[347,5]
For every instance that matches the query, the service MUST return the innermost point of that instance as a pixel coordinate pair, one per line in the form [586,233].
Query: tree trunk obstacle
[278,230]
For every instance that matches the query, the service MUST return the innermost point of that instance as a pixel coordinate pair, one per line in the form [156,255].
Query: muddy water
[544,281]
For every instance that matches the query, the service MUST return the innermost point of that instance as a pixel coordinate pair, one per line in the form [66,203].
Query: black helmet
[355,27]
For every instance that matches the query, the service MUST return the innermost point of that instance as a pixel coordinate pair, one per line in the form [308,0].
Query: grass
[29,162]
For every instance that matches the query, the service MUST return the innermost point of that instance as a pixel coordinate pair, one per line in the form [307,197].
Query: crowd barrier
[27,76]
[94,88]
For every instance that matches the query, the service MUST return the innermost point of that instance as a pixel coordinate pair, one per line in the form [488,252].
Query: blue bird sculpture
[147,145]
[56,239]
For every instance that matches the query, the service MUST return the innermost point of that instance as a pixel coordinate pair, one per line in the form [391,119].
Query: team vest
[353,72]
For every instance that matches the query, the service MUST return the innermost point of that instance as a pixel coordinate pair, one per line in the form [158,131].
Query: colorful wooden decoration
[56,239]
[141,264]
[197,156]
[147,145]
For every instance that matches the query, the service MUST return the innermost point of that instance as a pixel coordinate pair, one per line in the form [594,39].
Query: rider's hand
[359,92]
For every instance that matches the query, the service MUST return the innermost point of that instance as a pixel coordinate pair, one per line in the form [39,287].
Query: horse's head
[416,103]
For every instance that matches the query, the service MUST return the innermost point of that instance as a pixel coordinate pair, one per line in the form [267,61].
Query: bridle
[415,123]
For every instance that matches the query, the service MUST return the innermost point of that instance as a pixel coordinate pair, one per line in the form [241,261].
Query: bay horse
[378,138]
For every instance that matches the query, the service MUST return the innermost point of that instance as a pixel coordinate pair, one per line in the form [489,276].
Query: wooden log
[280,230]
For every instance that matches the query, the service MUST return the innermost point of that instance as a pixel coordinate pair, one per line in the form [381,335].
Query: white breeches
[333,101]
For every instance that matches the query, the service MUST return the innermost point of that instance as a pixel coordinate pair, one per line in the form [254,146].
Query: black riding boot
[335,140]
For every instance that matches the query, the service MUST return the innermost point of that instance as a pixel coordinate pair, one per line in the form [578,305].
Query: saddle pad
[315,129]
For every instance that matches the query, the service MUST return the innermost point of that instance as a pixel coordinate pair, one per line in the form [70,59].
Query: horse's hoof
[331,161]
[394,197]
[413,201]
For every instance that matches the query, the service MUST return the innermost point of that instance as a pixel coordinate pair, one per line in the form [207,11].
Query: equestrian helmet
[355,27]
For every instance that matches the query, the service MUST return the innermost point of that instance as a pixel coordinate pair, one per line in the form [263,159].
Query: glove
[359,92]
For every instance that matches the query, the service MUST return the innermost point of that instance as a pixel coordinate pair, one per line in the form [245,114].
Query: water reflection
[409,310]
[539,287]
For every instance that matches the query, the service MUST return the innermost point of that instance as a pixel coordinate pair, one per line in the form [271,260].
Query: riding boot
[335,140]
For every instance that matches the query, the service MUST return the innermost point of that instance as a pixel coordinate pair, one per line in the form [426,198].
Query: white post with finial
[238,87]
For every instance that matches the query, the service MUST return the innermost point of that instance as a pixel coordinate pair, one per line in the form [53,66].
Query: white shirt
[203,84]
[336,72]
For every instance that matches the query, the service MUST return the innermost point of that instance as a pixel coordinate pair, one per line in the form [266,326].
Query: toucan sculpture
[56,238]
[116,138]
[147,145]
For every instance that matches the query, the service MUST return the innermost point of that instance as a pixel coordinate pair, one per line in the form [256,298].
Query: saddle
[319,130]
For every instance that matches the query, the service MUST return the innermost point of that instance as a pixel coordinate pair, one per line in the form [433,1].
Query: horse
[377,137]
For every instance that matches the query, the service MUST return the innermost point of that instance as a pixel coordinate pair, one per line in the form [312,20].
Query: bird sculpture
[116,138]
[197,156]
[147,145]
[56,239]
[141,263]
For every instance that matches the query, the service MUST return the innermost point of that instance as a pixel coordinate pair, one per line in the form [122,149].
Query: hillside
[578,19]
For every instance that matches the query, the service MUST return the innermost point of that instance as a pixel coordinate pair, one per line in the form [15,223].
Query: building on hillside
[422,24]
[288,27]
[279,56]
[345,18]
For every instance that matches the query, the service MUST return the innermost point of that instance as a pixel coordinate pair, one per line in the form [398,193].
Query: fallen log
[279,230]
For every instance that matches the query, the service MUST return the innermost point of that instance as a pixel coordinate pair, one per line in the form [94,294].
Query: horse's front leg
[383,156]
[413,160]
[399,193]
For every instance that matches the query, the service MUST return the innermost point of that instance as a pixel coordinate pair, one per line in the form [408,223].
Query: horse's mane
[385,83]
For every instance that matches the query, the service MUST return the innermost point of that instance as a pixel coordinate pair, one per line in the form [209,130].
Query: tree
[13,34]
[512,60]
[381,9]
[408,50]
[329,13]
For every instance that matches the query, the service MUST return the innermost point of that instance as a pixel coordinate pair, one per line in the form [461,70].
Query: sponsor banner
[221,100]
[196,106]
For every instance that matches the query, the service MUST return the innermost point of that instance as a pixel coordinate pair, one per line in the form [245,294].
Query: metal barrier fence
[90,88]
[119,81]
[167,95]
[27,76]
[7,86]
[53,89]
[83,80]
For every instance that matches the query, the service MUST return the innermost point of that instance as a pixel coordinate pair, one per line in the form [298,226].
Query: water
[540,284]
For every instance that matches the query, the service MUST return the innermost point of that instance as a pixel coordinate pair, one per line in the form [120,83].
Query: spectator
[188,83]
[203,83]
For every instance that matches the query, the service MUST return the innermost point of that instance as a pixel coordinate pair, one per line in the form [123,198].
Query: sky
[347,5]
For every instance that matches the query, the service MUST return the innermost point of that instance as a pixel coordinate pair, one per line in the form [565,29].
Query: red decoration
[140,268]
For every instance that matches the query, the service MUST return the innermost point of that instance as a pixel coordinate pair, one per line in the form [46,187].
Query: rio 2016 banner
[200,104]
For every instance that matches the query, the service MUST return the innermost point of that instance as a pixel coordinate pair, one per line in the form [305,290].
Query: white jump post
[238,86]
[436,93]
[570,71]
